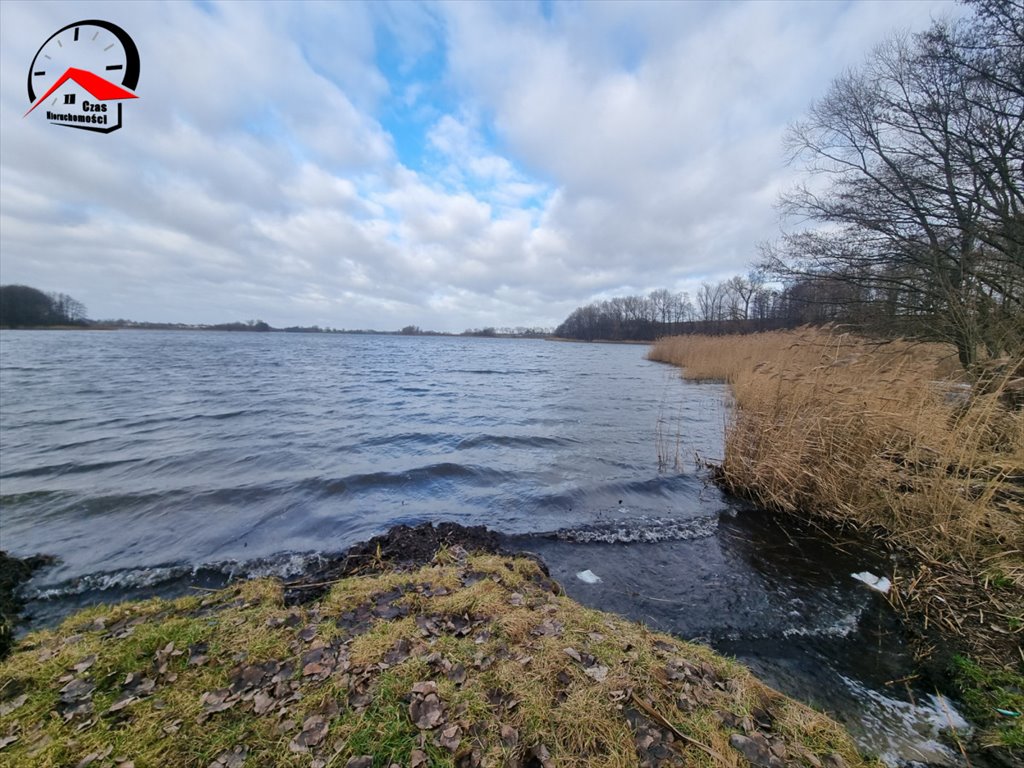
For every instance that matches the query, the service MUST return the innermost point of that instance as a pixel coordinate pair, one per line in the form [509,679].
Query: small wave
[512,441]
[283,566]
[10,499]
[403,439]
[643,530]
[507,372]
[69,468]
[420,475]
[221,416]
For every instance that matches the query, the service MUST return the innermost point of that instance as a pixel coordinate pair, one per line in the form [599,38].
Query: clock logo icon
[81,73]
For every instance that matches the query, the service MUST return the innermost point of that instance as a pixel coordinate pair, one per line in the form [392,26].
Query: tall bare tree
[915,166]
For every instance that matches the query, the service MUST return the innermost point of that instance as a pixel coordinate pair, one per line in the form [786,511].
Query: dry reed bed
[886,435]
[881,434]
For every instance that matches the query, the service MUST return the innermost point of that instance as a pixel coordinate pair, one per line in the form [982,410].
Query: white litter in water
[588,577]
[878,583]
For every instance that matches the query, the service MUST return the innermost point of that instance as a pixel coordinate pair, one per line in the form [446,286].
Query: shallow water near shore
[152,462]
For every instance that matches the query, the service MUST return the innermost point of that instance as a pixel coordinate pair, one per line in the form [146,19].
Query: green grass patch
[984,692]
[469,661]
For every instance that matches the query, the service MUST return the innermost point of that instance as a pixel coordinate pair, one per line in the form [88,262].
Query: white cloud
[608,147]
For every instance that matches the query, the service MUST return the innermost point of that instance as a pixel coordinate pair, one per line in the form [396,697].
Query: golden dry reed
[885,434]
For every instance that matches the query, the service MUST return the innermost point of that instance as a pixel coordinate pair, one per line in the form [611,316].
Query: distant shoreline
[178,328]
[439,334]
[597,341]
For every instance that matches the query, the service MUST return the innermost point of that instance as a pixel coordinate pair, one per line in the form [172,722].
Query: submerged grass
[471,661]
[888,435]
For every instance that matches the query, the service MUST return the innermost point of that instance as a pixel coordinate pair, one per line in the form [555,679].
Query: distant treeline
[741,304]
[519,332]
[22,306]
[260,326]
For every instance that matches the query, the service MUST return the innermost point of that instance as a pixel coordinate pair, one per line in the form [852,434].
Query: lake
[149,462]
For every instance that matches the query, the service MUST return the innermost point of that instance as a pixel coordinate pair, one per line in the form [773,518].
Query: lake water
[152,461]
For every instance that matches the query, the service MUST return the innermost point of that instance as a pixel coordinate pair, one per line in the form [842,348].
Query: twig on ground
[657,717]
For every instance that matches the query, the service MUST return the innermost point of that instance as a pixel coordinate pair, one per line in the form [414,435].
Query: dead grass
[880,434]
[887,436]
[472,661]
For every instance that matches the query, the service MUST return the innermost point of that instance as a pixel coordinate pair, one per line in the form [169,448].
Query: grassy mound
[469,660]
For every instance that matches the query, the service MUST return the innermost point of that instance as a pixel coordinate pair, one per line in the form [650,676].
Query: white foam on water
[283,566]
[642,530]
[918,737]
[844,626]
[588,577]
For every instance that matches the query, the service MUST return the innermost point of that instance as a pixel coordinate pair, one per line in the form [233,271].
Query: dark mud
[402,547]
[13,573]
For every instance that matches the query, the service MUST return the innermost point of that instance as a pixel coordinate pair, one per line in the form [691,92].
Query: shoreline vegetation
[410,650]
[892,437]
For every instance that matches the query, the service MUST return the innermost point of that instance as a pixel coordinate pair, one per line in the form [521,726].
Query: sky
[446,165]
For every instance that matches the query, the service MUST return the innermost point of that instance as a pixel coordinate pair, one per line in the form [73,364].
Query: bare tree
[921,149]
[710,298]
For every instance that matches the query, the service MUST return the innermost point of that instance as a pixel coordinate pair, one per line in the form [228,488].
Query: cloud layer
[449,166]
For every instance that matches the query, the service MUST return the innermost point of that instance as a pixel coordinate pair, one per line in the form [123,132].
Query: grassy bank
[469,660]
[890,436]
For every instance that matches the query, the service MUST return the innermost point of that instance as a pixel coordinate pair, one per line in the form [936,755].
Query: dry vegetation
[886,435]
[469,661]
[878,433]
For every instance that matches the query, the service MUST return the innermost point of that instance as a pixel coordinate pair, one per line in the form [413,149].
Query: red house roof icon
[98,88]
